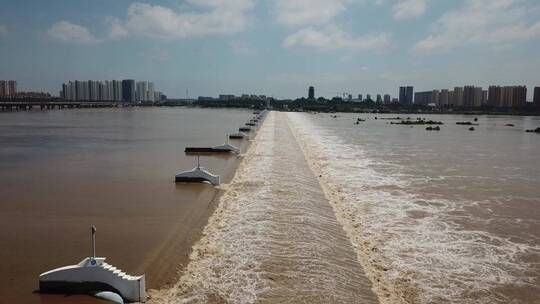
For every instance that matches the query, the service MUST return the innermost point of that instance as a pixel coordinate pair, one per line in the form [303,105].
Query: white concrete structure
[226,147]
[197,175]
[93,274]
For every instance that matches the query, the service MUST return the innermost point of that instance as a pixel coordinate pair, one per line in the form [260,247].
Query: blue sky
[272,47]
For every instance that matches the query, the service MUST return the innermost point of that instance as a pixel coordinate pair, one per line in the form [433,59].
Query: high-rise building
[495,97]
[443,98]
[311,93]
[536,98]
[12,87]
[510,96]
[226,97]
[106,93]
[507,96]
[360,97]
[85,90]
[451,98]
[102,88]
[458,97]
[387,99]
[142,90]
[157,96]
[72,91]
[368,97]
[128,90]
[79,90]
[8,88]
[111,94]
[435,96]
[4,91]
[150,93]
[379,98]
[117,90]
[93,90]
[68,91]
[520,96]
[406,95]
[478,97]
[82,91]
[64,92]
[428,97]
[468,96]
[422,98]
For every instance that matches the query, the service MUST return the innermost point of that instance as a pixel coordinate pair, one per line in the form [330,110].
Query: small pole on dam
[93,241]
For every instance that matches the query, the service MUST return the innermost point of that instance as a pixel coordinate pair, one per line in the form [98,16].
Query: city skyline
[467,97]
[127,90]
[130,90]
[335,45]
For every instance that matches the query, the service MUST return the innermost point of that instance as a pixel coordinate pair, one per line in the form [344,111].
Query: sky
[272,47]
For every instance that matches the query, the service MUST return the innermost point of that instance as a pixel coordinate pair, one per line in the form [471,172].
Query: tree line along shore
[298,105]
[330,106]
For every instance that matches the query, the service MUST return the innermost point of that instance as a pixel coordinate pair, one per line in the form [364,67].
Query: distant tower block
[311,93]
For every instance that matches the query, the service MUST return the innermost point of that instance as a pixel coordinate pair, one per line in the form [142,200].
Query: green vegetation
[340,105]
[322,105]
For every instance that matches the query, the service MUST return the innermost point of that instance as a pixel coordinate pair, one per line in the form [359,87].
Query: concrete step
[119,273]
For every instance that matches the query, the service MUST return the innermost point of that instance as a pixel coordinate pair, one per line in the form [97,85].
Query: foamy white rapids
[274,237]
[412,247]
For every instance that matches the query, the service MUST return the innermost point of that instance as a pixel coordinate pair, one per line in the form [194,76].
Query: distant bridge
[50,105]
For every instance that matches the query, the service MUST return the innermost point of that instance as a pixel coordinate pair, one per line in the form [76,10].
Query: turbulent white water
[312,217]
[274,237]
[415,247]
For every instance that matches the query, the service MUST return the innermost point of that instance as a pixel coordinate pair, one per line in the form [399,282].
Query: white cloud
[242,48]
[332,38]
[3,31]
[156,54]
[409,9]
[319,31]
[222,17]
[116,28]
[296,80]
[304,12]
[225,4]
[66,31]
[491,23]
[206,17]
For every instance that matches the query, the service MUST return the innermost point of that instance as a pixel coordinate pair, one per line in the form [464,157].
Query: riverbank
[299,105]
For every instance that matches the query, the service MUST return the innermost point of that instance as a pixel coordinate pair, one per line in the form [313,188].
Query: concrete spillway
[274,237]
